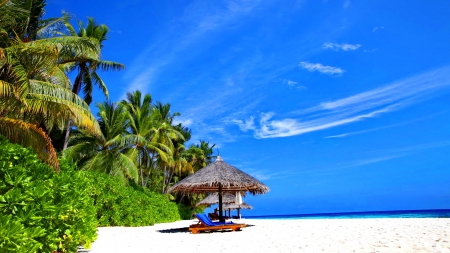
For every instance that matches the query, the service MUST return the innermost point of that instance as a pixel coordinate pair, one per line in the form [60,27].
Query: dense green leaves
[41,211]
[34,92]
[131,205]
[134,141]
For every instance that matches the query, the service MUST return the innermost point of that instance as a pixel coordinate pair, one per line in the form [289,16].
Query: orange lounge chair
[205,224]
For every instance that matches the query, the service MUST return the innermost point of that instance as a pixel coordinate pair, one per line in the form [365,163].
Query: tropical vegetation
[121,161]
[41,211]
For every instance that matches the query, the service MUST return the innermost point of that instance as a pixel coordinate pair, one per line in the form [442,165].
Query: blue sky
[336,105]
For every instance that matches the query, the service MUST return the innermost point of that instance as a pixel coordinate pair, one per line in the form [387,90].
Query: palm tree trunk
[150,171]
[169,178]
[164,179]
[66,138]
[140,169]
[75,89]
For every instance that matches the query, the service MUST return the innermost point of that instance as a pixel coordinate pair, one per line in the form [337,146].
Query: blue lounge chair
[206,224]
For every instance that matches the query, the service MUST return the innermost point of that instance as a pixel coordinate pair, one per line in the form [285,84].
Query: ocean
[437,213]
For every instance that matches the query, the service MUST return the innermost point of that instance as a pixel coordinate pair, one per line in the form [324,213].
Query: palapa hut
[219,177]
[213,198]
[234,206]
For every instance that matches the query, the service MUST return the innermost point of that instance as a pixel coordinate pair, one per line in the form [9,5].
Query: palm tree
[105,153]
[200,155]
[178,166]
[22,18]
[142,128]
[33,94]
[88,64]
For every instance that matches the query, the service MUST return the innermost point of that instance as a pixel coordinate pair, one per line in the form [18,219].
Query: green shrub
[186,212]
[119,205]
[41,211]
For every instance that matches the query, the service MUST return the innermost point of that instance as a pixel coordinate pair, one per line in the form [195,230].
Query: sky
[335,105]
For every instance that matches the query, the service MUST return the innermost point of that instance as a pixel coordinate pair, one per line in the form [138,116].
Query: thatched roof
[213,198]
[208,179]
[233,206]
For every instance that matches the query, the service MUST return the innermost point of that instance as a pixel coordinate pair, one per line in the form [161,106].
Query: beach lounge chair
[206,224]
[213,216]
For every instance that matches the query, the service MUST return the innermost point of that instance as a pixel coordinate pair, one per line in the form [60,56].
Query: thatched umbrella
[233,206]
[219,177]
[213,198]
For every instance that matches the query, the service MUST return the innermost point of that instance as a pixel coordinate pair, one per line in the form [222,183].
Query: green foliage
[186,212]
[41,211]
[128,205]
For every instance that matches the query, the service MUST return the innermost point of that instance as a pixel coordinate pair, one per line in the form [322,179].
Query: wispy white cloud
[355,108]
[141,82]
[413,148]
[342,135]
[367,161]
[294,84]
[199,18]
[264,175]
[371,158]
[376,28]
[289,127]
[321,68]
[246,125]
[343,46]
[289,82]
[380,128]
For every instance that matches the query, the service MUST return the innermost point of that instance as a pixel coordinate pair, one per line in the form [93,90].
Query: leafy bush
[120,205]
[41,211]
[186,212]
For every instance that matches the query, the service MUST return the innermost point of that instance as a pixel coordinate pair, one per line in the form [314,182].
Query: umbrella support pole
[221,218]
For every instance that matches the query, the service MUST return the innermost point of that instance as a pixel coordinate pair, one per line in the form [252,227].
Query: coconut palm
[105,152]
[88,64]
[178,165]
[22,18]
[33,94]
[142,128]
[200,155]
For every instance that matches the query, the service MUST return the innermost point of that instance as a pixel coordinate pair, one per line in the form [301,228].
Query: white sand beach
[321,235]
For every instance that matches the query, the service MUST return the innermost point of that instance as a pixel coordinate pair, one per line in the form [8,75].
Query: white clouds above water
[351,109]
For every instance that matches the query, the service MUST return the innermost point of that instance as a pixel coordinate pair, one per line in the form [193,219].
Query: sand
[321,235]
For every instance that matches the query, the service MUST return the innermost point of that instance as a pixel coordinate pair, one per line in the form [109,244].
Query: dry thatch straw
[213,198]
[219,173]
[233,206]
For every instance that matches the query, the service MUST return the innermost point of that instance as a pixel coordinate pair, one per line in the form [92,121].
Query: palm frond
[30,135]
[110,65]
[97,80]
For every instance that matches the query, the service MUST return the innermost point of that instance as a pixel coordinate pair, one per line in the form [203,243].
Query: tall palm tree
[22,18]
[105,153]
[88,64]
[33,96]
[200,155]
[162,112]
[142,128]
[179,166]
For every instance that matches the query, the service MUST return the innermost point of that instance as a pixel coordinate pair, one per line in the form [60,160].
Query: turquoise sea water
[438,213]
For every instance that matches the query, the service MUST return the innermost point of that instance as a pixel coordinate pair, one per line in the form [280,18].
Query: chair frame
[206,224]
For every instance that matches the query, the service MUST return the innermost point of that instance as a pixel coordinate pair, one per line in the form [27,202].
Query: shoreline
[302,235]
